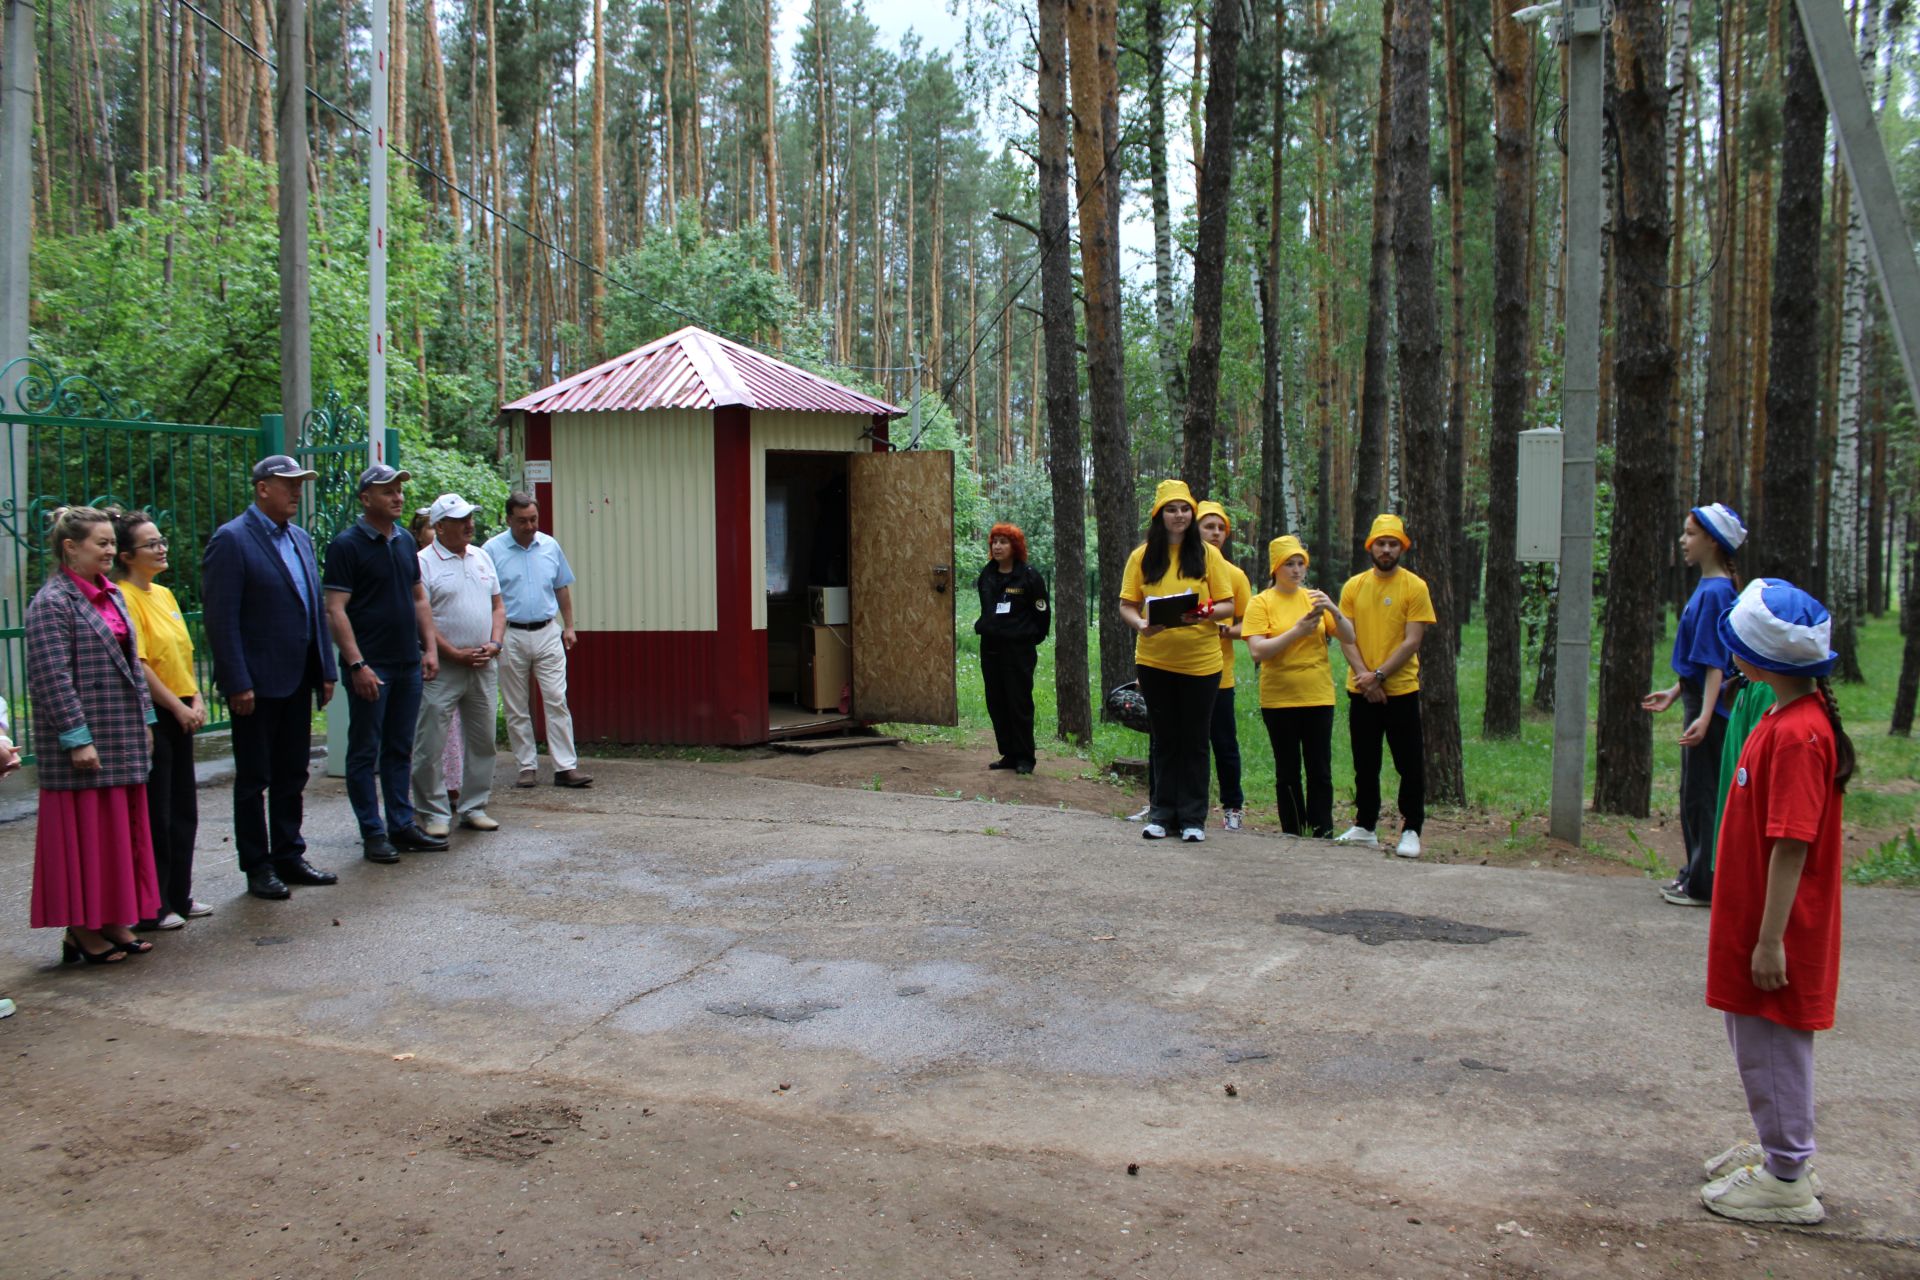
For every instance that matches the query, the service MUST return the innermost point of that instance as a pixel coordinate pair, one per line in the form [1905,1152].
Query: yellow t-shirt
[164,642]
[1299,675]
[1242,595]
[1380,609]
[1191,650]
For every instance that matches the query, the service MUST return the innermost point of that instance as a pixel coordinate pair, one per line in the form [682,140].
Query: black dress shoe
[1004,762]
[376,849]
[264,882]
[300,871]
[414,840]
[1023,768]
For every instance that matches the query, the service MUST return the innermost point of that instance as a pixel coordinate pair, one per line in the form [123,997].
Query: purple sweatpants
[1776,1069]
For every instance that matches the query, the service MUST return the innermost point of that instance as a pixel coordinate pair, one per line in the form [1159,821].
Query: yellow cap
[1211,508]
[1388,526]
[1283,549]
[1170,491]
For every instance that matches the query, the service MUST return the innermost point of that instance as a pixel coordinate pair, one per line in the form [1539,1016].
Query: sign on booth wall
[540,472]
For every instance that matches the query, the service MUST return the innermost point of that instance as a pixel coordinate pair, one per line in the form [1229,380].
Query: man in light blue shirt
[537,585]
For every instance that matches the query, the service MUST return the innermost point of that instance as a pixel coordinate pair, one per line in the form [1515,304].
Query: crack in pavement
[630,1001]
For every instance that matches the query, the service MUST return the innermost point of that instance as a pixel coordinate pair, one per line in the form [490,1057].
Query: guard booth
[755,559]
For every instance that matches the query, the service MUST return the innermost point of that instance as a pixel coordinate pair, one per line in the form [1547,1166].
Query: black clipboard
[1169,611]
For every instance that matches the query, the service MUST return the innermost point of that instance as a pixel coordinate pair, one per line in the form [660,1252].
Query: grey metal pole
[296,327]
[1865,153]
[1580,402]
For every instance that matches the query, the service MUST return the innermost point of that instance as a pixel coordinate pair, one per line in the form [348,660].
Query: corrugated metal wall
[815,432]
[633,505]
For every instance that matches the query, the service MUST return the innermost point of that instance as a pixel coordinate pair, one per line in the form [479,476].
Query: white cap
[449,506]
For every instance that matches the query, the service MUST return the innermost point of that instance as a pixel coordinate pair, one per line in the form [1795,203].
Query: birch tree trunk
[1210,255]
[1064,452]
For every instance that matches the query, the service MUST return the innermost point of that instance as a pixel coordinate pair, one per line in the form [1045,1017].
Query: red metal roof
[694,369]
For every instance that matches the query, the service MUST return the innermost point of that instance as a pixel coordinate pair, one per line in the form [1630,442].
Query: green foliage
[679,272]
[1895,861]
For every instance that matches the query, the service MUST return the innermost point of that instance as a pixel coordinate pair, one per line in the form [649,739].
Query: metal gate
[73,440]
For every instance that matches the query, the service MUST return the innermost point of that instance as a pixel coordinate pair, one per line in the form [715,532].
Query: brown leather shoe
[571,778]
[528,778]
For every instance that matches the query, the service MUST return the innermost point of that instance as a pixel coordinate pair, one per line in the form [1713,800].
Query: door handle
[940,575]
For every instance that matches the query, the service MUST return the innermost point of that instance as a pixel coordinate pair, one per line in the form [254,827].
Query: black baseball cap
[381,473]
[284,467]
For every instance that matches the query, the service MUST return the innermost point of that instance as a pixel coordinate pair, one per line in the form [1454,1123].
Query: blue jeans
[380,749]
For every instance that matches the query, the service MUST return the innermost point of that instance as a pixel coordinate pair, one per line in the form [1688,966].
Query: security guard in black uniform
[1014,619]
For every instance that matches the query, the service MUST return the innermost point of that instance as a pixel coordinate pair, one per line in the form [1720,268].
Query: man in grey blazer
[267,627]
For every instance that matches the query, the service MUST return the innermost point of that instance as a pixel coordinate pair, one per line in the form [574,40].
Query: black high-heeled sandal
[72,952]
[132,946]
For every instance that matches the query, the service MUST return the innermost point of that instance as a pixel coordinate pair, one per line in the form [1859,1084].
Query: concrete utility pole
[1865,153]
[377,242]
[16,240]
[296,319]
[1581,28]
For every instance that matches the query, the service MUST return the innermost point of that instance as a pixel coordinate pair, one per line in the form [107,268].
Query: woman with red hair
[1013,621]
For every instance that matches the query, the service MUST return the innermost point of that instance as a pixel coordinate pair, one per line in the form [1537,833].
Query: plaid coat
[77,674]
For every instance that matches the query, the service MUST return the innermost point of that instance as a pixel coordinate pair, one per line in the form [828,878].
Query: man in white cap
[470,620]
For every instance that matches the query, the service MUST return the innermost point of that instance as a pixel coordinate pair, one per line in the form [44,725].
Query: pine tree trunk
[1070,673]
[669,150]
[1423,389]
[1167,344]
[1369,460]
[696,144]
[436,85]
[398,117]
[1785,536]
[1512,340]
[1463,580]
[1199,424]
[597,317]
[1093,37]
[1643,383]
[772,142]
[1275,466]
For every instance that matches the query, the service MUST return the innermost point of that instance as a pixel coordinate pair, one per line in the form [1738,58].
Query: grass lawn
[1510,780]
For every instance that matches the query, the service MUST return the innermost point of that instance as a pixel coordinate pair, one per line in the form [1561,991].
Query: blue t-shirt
[1697,648]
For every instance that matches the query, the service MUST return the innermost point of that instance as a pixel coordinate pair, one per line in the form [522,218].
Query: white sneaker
[197,909]
[1409,846]
[1146,811]
[1751,1194]
[1230,819]
[1193,835]
[1742,1154]
[1153,831]
[1358,835]
[171,920]
[6,1008]
[434,828]
[479,821]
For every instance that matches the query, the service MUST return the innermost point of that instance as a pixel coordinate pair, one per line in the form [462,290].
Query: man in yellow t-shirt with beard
[1391,610]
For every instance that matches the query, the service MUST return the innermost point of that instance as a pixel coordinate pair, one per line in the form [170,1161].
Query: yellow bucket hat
[1211,508]
[1388,526]
[1170,491]
[1283,549]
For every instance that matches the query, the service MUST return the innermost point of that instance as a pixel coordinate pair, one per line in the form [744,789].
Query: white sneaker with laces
[1230,819]
[171,920]
[1146,811]
[1193,835]
[1751,1194]
[1741,1154]
[198,909]
[479,821]
[1358,835]
[1409,846]
[1153,831]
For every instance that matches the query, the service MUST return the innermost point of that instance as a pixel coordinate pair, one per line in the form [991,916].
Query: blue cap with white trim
[1722,524]
[1778,627]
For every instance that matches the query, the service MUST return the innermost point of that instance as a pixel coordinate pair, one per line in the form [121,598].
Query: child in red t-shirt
[1773,949]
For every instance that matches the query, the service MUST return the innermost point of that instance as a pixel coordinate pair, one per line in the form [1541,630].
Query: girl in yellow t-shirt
[166,654]
[1179,662]
[1286,629]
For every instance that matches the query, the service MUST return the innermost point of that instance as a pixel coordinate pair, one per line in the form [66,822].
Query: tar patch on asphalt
[1377,927]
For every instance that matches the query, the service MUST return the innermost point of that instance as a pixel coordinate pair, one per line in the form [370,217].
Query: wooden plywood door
[900,523]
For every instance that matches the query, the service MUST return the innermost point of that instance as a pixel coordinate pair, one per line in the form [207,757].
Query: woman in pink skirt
[93,871]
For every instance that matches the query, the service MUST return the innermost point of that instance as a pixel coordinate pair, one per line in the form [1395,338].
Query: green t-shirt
[1749,705]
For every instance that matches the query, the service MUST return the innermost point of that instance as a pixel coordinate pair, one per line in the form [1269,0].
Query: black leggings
[173,812]
[1180,709]
[1225,740]
[1398,721]
[1302,735]
[1699,794]
[1006,669]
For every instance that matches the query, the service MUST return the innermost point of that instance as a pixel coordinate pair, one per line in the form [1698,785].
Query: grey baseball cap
[381,473]
[284,467]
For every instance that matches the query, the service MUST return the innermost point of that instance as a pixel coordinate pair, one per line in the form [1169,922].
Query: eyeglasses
[157,544]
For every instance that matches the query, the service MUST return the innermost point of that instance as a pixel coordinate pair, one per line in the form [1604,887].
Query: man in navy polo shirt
[382,623]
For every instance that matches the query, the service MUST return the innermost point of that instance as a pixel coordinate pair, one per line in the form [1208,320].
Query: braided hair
[1843,759]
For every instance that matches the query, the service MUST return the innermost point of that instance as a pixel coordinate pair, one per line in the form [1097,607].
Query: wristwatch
[355,666]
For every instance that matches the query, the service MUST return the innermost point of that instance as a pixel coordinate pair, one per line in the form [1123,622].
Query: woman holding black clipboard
[1174,582]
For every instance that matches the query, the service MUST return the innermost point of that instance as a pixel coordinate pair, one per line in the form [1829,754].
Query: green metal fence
[73,440]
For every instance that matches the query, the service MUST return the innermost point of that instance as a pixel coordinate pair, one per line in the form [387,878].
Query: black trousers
[1302,735]
[1180,709]
[1007,671]
[1699,795]
[1225,741]
[173,812]
[270,756]
[1398,721]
